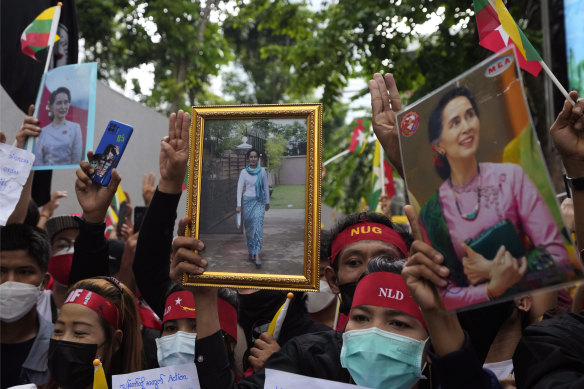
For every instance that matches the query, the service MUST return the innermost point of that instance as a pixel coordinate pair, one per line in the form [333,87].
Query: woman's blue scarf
[259,188]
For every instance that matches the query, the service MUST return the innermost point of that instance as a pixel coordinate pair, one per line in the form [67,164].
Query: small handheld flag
[36,36]
[99,381]
[279,317]
[497,30]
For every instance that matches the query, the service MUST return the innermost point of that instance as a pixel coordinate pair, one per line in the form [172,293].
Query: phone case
[110,150]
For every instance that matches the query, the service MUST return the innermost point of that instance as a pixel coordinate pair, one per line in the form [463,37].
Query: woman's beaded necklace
[475,212]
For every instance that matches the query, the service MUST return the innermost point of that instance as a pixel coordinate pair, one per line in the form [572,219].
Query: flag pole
[336,157]
[556,82]
[343,153]
[382,169]
[53,32]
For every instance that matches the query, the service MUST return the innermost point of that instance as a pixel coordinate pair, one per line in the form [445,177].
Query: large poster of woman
[473,163]
[65,108]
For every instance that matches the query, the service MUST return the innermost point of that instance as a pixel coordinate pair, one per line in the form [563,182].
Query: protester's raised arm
[29,128]
[174,153]
[90,258]
[568,135]
[93,198]
[385,103]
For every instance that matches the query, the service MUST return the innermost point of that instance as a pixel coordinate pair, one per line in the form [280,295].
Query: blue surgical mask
[176,349]
[380,359]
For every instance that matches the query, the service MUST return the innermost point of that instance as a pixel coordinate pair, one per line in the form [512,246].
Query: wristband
[576,183]
[45,215]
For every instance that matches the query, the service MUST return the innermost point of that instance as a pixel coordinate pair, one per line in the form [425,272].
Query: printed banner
[65,107]
[15,166]
[170,377]
[486,200]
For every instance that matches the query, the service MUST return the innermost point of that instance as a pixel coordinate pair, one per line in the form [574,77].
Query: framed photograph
[254,195]
[475,170]
[65,107]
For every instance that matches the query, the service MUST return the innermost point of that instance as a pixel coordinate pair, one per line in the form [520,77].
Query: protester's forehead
[383,311]
[369,248]
[17,258]
[77,313]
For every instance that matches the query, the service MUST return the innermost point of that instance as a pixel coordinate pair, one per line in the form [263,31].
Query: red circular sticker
[409,123]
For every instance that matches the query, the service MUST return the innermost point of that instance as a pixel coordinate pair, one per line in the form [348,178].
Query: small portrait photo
[252,214]
[103,163]
[65,108]
[476,175]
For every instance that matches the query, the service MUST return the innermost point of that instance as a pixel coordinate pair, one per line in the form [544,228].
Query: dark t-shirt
[13,357]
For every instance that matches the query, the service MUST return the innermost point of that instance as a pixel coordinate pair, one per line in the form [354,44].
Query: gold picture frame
[290,161]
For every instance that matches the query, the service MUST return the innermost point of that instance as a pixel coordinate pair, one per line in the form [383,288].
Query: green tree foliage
[176,36]
[275,148]
[262,33]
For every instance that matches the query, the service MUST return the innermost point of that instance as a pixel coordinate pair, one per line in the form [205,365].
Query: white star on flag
[504,35]
[177,301]
[361,137]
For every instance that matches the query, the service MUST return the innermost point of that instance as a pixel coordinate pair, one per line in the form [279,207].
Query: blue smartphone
[110,150]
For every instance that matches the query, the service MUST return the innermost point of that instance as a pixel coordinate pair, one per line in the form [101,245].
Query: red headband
[367,231]
[99,304]
[181,305]
[388,290]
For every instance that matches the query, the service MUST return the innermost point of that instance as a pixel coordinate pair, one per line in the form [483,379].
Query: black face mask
[71,363]
[258,309]
[347,292]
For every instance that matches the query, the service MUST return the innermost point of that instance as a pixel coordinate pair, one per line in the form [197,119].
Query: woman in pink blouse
[493,202]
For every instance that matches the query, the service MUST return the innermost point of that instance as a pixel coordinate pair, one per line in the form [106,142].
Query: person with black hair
[382,346]
[479,198]
[253,192]
[61,141]
[352,243]
[24,334]
[99,320]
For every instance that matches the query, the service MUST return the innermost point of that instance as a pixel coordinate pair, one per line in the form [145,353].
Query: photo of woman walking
[253,196]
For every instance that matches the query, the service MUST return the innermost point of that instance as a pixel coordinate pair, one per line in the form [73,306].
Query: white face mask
[17,299]
[176,349]
[317,301]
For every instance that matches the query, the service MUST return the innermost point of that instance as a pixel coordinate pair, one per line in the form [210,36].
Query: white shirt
[246,185]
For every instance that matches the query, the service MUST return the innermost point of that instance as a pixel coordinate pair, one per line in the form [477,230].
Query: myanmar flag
[497,30]
[380,177]
[35,37]
[359,138]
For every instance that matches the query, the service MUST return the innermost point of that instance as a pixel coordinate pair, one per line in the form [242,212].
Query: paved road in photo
[282,250]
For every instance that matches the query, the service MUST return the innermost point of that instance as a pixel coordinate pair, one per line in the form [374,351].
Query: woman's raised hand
[385,103]
[174,153]
[568,135]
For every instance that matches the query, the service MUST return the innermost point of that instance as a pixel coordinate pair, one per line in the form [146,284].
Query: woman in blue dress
[253,195]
